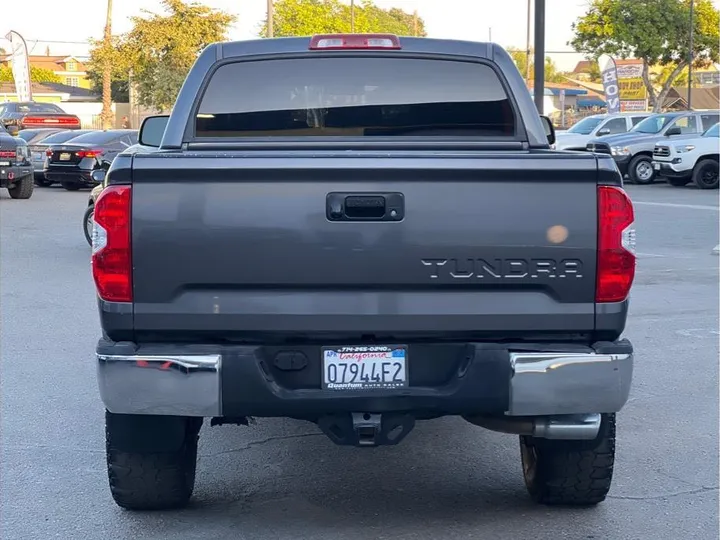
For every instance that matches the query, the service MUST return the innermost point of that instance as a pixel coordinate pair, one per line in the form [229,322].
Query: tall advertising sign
[633,94]
[611,88]
[20,66]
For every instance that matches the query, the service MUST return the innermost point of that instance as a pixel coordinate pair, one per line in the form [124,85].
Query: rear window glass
[100,137]
[354,97]
[63,136]
[39,108]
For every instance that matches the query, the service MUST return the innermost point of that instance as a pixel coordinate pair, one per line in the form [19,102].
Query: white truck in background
[689,160]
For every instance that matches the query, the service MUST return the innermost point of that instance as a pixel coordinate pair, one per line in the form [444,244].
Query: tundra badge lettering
[504,268]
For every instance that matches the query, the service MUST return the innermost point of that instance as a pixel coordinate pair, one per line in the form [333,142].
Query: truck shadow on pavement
[291,476]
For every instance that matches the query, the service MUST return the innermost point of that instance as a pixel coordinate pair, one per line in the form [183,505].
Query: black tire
[678,182]
[151,460]
[641,163]
[23,188]
[705,174]
[87,219]
[70,186]
[570,473]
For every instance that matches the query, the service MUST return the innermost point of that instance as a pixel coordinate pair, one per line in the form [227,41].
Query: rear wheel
[88,223]
[151,460]
[570,473]
[641,170]
[705,174]
[71,186]
[22,188]
[678,182]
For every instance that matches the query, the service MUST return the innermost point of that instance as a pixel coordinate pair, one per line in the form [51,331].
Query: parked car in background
[690,160]
[633,151]
[37,151]
[30,114]
[71,164]
[15,168]
[597,125]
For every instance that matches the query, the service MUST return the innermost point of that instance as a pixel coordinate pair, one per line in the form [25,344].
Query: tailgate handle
[365,206]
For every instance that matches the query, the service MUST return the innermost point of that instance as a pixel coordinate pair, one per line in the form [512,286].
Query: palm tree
[107,115]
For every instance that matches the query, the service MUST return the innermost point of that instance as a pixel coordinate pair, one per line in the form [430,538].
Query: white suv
[692,159]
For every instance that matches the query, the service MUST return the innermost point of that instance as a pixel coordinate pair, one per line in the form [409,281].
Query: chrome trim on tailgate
[568,383]
[164,385]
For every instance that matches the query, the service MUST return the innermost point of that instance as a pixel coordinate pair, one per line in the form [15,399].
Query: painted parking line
[677,205]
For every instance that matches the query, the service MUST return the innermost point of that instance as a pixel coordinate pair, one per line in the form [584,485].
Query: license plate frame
[379,367]
[65,156]
[4,163]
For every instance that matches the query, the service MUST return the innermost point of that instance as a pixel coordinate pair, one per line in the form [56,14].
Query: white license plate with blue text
[364,367]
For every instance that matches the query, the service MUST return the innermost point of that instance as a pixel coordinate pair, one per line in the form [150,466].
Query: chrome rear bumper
[534,384]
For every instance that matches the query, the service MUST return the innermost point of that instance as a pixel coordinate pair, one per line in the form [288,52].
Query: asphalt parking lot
[282,480]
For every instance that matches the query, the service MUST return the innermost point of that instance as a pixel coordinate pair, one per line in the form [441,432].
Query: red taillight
[354,41]
[52,121]
[111,245]
[616,245]
[48,152]
[8,155]
[89,153]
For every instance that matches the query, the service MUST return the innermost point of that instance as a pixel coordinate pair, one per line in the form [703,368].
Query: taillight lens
[616,245]
[111,245]
[48,152]
[7,155]
[89,153]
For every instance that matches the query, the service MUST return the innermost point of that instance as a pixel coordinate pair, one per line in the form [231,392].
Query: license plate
[65,156]
[4,163]
[364,367]
[657,166]
[38,156]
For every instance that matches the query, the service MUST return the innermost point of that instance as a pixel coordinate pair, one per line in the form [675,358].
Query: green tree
[159,50]
[655,31]
[519,56]
[308,17]
[38,75]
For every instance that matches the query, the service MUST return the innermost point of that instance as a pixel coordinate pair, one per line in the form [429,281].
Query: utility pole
[490,33]
[270,17]
[690,54]
[106,115]
[527,43]
[539,84]
[352,16]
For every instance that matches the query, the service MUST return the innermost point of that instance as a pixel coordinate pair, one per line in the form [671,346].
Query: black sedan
[38,148]
[72,164]
[15,169]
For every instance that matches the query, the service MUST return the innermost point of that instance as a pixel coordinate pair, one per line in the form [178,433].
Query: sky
[475,20]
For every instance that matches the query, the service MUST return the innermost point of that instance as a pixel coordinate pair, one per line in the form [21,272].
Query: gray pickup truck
[362,232]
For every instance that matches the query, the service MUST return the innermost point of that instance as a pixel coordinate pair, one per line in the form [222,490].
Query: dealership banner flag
[611,88]
[20,66]
[633,93]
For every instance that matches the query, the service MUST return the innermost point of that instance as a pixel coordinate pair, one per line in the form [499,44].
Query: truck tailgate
[234,246]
